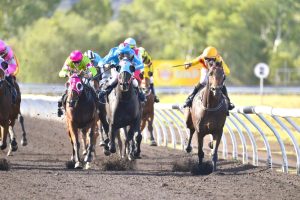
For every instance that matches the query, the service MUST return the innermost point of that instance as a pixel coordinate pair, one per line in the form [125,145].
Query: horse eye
[79,86]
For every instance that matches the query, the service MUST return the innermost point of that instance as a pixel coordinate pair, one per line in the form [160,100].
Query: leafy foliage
[245,32]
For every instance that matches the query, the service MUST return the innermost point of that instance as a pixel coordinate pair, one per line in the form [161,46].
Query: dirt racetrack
[38,172]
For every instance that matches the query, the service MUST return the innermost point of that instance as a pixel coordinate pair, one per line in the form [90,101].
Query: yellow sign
[165,75]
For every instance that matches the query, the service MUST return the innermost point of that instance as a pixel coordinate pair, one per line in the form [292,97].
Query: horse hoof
[112,149]
[14,145]
[102,144]
[137,155]
[78,165]
[84,153]
[211,145]
[106,152]
[130,157]
[88,165]
[3,146]
[153,143]
[24,142]
[189,149]
[88,158]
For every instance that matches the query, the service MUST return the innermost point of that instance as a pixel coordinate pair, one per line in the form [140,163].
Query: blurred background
[246,32]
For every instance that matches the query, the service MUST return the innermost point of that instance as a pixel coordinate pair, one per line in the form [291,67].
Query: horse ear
[4,65]
[132,68]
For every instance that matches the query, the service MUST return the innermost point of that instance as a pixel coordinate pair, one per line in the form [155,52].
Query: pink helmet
[76,56]
[3,48]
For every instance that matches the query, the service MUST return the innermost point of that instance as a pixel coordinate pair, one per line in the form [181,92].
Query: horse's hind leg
[3,142]
[190,126]
[216,143]
[88,157]
[13,142]
[23,140]
[150,128]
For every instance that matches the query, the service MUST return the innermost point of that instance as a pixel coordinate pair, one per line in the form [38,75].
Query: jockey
[13,68]
[148,67]
[76,62]
[113,58]
[206,59]
[95,59]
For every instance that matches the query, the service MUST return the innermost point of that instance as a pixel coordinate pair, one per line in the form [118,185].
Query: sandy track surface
[38,172]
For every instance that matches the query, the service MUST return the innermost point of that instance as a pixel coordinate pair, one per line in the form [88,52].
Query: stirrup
[188,103]
[231,106]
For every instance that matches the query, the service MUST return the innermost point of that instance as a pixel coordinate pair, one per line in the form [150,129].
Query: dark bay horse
[208,113]
[9,112]
[124,110]
[148,111]
[81,114]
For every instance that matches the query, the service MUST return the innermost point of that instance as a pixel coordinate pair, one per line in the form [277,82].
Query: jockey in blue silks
[113,58]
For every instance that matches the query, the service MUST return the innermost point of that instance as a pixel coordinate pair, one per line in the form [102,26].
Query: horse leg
[112,145]
[83,140]
[23,140]
[150,129]
[200,150]
[130,143]
[103,124]
[120,144]
[13,143]
[190,126]
[189,148]
[88,157]
[216,143]
[3,142]
[73,131]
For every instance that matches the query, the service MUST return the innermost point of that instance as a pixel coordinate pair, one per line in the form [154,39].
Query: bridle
[215,90]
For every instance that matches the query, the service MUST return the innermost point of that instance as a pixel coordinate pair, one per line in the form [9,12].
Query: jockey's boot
[189,100]
[156,99]
[230,105]
[60,104]
[141,94]
[12,88]
[102,93]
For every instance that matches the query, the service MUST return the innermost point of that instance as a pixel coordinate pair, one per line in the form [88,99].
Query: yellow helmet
[210,52]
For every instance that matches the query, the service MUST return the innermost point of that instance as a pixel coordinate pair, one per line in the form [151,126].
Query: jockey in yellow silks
[208,58]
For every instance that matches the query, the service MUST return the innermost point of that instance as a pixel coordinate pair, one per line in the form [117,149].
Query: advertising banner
[165,75]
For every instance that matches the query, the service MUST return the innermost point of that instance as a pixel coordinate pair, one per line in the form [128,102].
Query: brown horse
[208,113]
[9,113]
[81,113]
[148,112]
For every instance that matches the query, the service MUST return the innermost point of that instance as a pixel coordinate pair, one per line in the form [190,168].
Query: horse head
[216,78]
[75,88]
[125,75]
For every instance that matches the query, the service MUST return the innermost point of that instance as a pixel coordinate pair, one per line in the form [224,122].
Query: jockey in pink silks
[8,56]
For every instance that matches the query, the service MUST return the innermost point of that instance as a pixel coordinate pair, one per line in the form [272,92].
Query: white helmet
[131,42]
[90,54]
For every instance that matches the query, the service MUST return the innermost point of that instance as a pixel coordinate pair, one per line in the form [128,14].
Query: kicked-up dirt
[38,171]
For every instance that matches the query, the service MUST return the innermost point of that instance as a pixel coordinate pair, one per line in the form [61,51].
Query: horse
[9,113]
[81,113]
[124,110]
[148,112]
[208,114]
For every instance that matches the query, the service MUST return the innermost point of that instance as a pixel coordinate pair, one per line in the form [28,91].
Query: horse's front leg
[200,150]
[13,142]
[216,143]
[189,148]
[73,132]
[88,157]
[130,143]
[24,139]
[112,144]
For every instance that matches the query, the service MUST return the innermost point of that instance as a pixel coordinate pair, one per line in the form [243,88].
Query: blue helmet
[131,42]
[124,50]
